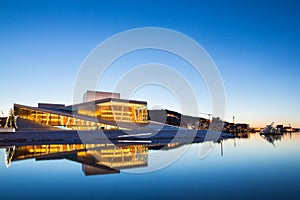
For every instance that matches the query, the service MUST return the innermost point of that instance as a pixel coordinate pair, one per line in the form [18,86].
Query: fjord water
[250,168]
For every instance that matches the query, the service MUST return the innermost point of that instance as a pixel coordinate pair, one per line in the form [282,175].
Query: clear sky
[255,44]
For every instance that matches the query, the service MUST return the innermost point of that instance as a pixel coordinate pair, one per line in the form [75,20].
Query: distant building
[165,116]
[288,128]
[236,128]
[177,119]
[243,127]
[280,128]
[103,113]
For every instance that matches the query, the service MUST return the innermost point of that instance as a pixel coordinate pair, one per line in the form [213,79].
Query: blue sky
[255,44]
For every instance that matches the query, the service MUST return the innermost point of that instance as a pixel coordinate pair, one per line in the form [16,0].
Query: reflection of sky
[253,169]
[255,45]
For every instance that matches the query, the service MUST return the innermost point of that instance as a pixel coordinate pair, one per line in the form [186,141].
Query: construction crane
[208,114]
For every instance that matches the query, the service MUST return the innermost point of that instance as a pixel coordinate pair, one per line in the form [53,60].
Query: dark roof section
[51,106]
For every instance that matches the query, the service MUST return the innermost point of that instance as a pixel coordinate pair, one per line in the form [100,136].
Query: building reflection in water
[95,158]
[271,138]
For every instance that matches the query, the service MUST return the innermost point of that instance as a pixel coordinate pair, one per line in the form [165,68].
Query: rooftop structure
[98,95]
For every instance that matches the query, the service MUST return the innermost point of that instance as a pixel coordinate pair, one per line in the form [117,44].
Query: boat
[270,130]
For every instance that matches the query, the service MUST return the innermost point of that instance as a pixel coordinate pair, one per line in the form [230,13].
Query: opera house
[99,110]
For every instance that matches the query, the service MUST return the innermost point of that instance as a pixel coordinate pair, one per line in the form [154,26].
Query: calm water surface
[250,168]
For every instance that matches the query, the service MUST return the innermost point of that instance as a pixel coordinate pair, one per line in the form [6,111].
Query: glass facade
[117,111]
[58,120]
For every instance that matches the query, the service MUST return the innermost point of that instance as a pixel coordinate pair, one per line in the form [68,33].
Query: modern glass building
[110,109]
[108,113]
